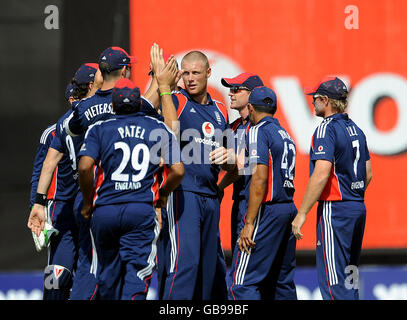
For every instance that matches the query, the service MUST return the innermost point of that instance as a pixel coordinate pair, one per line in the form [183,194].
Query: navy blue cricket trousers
[125,237]
[84,281]
[63,247]
[267,273]
[194,262]
[340,228]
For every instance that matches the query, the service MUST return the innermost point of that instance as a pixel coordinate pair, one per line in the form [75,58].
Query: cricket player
[193,262]
[54,188]
[127,150]
[263,264]
[240,88]
[340,173]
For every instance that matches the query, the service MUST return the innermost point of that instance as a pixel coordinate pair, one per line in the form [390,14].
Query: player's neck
[329,113]
[244,112]
[259,116]
[107,85]
[201,98]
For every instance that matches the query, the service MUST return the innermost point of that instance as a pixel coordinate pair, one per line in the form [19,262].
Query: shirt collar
[104,92]
[269,119]
[338,116]
[185,93]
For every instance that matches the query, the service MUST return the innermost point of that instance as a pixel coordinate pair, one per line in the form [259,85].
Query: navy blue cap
[126,96]
[116,58]
[86,73]
[263,96]
[332,87]
[69,91]
[246,79]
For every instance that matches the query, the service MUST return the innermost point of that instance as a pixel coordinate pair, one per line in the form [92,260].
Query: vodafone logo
[58,271]
[208,129]
[320,148]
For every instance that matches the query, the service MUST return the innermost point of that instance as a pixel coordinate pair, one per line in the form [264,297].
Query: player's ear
[71,100]
[208,72]
[123,72]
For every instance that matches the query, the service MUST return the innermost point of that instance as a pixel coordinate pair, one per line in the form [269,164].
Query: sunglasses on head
[237,89]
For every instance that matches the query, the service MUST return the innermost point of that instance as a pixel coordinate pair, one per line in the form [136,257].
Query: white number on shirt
[141,167]
[355,144]
[71,150]
[284,161]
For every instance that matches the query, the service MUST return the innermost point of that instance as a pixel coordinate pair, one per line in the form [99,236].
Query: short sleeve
[57,143]
[323,143]
[91,144]
[258,146]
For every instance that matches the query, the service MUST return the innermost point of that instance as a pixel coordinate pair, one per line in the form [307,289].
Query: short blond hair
[196,56]
[338,105]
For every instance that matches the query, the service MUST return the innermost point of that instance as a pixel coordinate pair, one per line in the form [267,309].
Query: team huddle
[126,183]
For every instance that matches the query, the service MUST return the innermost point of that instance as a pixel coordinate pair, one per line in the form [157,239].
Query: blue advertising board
[375,283]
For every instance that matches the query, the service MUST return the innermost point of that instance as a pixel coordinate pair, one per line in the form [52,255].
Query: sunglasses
[237,89]
[314,98]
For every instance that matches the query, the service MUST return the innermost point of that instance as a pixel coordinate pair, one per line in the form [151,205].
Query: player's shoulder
[86,102]
[154,123]
[222,108]
[235,124]
[47,133]
[257,130]
[323,128]
[101,125]
[64,116]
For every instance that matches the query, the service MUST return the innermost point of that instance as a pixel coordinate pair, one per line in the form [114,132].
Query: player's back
[347,143]
[68,145]
[62,185]
[270,144]
[88,111]
[129,150]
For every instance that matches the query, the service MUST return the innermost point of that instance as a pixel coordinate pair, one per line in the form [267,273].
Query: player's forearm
[174,178]
[152,93]
[86,185]
[168,110]
[50,163]
[313,192]
[369,174]
[229,178]
[86,178]
[258,186]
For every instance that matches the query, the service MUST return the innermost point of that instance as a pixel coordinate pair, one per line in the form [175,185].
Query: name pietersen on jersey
[98,109]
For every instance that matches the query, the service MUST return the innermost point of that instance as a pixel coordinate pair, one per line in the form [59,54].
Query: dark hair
[107,74]
[262,108]
[80,90]
[127,109]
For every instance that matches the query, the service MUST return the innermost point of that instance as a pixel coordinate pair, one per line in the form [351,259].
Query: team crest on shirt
[208,129]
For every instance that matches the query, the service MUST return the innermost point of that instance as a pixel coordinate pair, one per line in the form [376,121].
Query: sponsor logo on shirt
[208,129]
[320,150]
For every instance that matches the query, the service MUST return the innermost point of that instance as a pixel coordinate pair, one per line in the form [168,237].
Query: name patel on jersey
[97,109]
[131,132]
